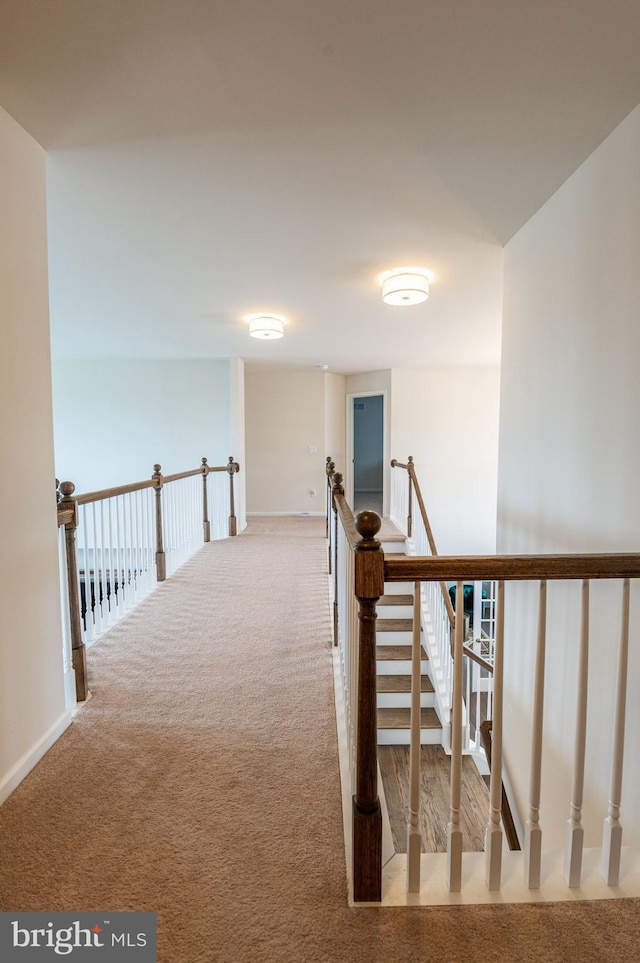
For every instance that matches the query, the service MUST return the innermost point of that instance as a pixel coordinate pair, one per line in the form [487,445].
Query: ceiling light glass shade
[266,326]
[405,287]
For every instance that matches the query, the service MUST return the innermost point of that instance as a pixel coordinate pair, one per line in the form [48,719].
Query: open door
[367,437]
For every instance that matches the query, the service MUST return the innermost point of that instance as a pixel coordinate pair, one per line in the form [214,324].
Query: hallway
[201,781]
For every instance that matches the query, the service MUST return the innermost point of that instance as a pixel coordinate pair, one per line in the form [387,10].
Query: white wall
[447,418]
[114,419]
[284,413]
[569,458]
[335,418]
[237,438]
[32,707]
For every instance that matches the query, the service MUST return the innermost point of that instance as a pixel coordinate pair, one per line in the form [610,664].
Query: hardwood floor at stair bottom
[434,798]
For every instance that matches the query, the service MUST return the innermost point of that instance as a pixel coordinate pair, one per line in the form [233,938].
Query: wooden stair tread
[394,625]
[396,600]
[397,653]
[402,683]
[401,718]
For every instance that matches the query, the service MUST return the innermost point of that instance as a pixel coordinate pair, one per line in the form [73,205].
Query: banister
[507,816]
[182,474]
[97,496]
[346,517]
[121,562]
[511,567]
[425,518]
[468,651]
[414,483]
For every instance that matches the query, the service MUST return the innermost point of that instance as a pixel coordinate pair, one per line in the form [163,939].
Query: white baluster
[97,572]
[139,533]
[454,833]
[493,835]
[414,840]
[533,830]
[104,610]
[575,831]
[128,592]
[612,833]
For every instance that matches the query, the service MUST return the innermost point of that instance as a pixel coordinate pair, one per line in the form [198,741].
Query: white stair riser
[393,547]
[400,667]
[398,700]
[393,638]
[395,611]
[398,588]
[402,737]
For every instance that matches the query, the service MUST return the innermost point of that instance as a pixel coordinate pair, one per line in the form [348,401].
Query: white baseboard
[32,757]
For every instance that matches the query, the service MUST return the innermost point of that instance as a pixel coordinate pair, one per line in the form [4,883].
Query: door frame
[348,481]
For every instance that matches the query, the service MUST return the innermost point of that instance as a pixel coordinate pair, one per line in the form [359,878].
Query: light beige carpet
[201,781]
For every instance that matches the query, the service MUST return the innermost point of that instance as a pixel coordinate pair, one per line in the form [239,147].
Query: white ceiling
[212,158]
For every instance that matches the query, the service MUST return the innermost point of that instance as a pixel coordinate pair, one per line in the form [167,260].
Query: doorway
[367,421]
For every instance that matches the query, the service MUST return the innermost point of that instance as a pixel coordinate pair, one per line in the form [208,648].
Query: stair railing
[409,514]
[120,542]
[506,571]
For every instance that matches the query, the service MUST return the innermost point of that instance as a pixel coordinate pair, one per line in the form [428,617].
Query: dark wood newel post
[232,468]
[410,505]
[78,650]
[367,816]
[206,524]
[336,490]
[161,561]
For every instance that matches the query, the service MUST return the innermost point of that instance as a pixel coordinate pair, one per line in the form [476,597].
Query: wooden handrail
[425,518]
[468,651]
[415,484]
[511,567]
[183,474]
[505,809]
[346,517]
[87,497]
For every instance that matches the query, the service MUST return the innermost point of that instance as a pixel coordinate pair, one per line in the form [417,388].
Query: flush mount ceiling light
[266,326]
[405,286]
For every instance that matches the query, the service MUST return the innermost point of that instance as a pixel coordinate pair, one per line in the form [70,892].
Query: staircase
[394,629]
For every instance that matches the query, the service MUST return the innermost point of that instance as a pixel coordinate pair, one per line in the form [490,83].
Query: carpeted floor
[201,781]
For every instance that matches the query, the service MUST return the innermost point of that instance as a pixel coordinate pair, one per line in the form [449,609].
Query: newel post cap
[368,524]
[337,484]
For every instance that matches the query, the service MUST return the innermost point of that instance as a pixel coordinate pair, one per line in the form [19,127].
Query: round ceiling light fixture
[405,286]
[268,327]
